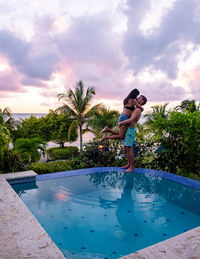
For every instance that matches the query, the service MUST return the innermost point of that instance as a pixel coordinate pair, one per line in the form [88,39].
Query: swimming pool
[106,213]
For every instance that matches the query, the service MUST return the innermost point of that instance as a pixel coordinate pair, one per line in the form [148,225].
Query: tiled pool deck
[21,235]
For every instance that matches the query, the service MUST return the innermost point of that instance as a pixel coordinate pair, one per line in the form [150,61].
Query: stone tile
[18,175]
[21,235]
[183,246]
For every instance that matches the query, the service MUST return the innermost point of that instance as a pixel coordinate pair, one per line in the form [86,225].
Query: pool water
[108,215]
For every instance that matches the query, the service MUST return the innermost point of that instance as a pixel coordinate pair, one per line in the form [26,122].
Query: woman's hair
[132,95]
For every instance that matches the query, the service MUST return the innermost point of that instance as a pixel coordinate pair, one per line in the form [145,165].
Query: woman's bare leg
[121,135]
[107,129]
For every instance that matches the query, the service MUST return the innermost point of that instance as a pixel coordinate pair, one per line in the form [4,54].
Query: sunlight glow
[4,65]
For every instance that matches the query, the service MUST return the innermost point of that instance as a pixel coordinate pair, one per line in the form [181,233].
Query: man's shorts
[123,117]
[129,139]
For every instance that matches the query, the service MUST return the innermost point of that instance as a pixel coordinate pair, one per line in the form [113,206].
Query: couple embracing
[127,125]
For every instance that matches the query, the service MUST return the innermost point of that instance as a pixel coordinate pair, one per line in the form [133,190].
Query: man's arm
[134,115]
[135,103]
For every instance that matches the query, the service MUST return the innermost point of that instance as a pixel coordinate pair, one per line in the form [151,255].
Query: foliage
[77,106]
[27,149]
[180,143]
[32,127]
[102,117]
[52,127]
[56,153]
[10,162]
[58,126]
[188,106]
[7,121]
[112,154]
[4,138]
[51,167]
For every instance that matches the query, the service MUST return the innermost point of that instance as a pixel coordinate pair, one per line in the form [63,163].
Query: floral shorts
[129,139]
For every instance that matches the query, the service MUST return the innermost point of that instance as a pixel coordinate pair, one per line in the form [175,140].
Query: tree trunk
[81,138]
[29,158]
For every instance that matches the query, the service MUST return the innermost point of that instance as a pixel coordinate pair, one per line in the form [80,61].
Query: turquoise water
[108,215]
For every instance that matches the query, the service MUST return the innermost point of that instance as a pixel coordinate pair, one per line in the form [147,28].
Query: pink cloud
[10,81]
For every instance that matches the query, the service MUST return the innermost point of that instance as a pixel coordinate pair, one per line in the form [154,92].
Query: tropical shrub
[180,143]
[10,162]
[51,167]
[56,153]
[112,154]
[4,138]
[27,149]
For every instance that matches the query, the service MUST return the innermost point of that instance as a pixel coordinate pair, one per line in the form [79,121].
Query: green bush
[56,153]
[180,143]
[51,167]
[112,154]
[10,162]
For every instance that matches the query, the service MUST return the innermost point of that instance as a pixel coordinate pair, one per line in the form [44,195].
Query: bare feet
[105,129]
[125,167]
[130,169]
[102,139]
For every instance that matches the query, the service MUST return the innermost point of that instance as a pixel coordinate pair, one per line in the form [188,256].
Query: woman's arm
[132,118]
[137,105]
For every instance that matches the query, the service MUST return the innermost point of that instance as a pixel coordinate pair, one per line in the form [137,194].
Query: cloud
[162,48]
[161,91]
[193,83]
[27,81]
[10,81]
[35,65]
[90,39]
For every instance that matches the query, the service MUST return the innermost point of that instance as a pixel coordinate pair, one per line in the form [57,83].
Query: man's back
[135,116]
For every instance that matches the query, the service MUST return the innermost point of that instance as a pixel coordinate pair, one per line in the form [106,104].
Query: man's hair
[144,99]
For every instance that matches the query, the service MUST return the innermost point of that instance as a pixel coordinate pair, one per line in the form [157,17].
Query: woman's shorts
[129,139]
[123,117]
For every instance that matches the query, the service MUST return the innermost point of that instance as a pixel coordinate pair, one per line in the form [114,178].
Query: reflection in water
[21,188]
[62,195]
[184,196]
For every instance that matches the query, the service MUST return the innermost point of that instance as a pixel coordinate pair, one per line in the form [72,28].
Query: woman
[129,105]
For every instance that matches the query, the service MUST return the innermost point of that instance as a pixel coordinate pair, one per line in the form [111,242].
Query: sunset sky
[112,45]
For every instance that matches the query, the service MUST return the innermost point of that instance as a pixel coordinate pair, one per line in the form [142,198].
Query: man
[131,134]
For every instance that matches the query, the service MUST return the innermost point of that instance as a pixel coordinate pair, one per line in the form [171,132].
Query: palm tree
[26,146]
[188,105]
[158,111]
[4,138]
[101,118]
[6,119]
[78,107]
[153,129]
[8,122]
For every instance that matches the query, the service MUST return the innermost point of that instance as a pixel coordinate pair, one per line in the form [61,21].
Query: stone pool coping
[23,237]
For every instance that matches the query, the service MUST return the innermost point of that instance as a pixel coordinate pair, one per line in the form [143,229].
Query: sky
[111,45]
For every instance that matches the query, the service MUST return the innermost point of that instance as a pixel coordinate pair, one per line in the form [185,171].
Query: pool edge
[21,234]
[186,245]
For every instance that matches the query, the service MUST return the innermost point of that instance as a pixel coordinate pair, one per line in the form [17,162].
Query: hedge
[51,167]
[56,153]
